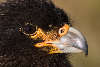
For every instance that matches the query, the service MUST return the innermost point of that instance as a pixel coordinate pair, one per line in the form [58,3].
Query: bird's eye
[63,30]
[29,29]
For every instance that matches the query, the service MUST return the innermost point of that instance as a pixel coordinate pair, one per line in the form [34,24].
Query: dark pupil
[29,29]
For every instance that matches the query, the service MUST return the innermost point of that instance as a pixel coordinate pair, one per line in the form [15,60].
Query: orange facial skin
[53,35]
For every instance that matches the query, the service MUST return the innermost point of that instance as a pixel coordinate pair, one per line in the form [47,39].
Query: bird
[36,33]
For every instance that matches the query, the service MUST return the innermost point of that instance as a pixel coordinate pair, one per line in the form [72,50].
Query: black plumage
[17,49]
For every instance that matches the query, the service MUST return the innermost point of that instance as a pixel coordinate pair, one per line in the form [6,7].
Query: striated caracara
[35,33]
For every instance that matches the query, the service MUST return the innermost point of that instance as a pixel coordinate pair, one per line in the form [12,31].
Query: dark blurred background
[85,16]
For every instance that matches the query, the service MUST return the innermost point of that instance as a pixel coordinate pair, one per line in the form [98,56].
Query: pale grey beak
[72,42]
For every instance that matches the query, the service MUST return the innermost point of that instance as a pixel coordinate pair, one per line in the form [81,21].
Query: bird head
[60,39]
[32,31]
[42,22]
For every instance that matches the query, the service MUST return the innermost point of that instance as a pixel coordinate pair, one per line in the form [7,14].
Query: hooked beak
[72,42]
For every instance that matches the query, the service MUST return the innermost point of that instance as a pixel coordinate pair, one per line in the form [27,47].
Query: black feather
[16,49]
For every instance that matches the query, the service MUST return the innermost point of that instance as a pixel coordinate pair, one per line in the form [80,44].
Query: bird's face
[63,39]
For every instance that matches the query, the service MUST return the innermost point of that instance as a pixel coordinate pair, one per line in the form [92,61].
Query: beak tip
[86,51]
